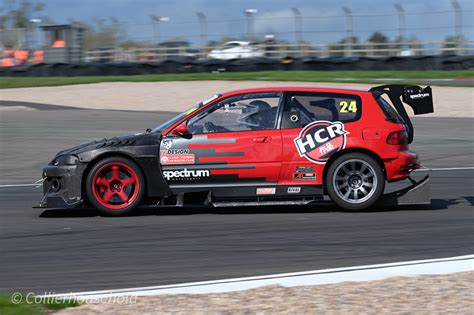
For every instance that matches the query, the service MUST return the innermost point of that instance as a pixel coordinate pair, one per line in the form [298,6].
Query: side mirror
[182,131]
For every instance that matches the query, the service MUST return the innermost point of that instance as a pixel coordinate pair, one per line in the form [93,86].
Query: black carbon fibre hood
[141,139]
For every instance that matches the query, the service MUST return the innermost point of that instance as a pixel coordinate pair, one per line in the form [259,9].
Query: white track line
[17,185]
[451,168]
[418,170]
[315,277]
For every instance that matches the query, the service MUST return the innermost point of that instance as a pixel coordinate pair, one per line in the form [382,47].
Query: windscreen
[170,122]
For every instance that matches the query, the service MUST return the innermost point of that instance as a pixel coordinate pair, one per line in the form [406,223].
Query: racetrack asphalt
[74,250]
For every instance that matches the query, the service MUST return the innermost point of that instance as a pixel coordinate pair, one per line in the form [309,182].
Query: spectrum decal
[419,95]
[321,139]
[186,174]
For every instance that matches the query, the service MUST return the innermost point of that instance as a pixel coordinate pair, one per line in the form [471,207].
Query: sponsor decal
[320,139]
[191,110]
[419,95]
[304,169]
[304,173]
[210,99]
[266,191]
[177,151]
[294,190]
[167,143]
[176,156]
[186,174]
[304,176]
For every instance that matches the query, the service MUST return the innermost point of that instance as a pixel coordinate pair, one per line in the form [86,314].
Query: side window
[303,108]
[238,113]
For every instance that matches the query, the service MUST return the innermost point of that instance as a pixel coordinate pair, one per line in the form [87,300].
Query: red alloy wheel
[115,186]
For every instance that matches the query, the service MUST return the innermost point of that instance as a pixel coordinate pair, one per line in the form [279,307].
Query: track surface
[60,250]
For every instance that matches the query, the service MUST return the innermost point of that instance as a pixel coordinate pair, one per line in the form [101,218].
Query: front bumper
[62,186]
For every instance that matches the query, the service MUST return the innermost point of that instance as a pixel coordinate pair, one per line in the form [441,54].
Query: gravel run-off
[434,294]
[181,95]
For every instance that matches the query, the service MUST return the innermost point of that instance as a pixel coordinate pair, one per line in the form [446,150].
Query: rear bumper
[401,167]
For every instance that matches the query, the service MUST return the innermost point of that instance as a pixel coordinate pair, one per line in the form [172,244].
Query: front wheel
[355,181]
[115,186]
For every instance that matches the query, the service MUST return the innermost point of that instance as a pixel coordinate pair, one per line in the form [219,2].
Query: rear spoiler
[418,98]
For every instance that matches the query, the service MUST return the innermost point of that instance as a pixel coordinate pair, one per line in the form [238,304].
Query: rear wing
[418,98]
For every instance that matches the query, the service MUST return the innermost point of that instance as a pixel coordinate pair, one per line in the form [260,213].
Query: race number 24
[348,107]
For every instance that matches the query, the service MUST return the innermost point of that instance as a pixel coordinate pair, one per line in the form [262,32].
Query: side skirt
[249,195]
[260,203]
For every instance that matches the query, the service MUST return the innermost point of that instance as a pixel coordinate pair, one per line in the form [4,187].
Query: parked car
[236,50]
[265,146]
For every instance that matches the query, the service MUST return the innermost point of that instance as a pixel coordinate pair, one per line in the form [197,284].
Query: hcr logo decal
[321,139]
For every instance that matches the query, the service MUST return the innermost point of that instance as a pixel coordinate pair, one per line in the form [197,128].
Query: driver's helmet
[259,105]
[259,114]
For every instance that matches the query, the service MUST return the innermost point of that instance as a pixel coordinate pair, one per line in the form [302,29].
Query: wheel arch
[370,153]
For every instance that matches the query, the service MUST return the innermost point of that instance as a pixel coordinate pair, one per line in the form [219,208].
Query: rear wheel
[115,186]
[355,181]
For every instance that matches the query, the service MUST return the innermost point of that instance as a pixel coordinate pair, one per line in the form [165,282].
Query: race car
[265,146]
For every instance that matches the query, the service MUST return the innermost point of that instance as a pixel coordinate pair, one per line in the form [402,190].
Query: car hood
[138,139]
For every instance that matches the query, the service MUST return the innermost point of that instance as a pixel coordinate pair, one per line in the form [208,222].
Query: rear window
[306,107]
[390,113]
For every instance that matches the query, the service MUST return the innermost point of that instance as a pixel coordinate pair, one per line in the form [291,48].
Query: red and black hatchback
[278,145]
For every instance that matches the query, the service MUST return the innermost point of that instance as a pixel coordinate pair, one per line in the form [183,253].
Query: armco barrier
[191,65]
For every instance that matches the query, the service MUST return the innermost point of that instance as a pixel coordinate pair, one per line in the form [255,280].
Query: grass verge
[401,77]
[7,307]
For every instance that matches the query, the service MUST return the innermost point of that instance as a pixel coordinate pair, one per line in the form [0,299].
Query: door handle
[262,139]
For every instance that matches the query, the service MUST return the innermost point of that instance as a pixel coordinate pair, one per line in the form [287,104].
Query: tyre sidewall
[359,206]
[98,205]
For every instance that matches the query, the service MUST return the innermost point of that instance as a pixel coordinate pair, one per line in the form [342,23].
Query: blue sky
[323,21]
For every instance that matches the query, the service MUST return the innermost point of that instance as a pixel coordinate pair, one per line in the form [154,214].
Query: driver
[264,116]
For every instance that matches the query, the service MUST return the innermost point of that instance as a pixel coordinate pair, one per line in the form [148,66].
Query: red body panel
[261,149]
[275,157]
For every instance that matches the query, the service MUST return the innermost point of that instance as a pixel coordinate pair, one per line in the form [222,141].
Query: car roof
[293,89]
[236,42]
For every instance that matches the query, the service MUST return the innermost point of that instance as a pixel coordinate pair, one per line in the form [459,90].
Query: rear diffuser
[417,193]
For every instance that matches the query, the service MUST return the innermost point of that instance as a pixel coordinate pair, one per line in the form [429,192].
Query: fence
[279,51]
[13,37]
[193,65]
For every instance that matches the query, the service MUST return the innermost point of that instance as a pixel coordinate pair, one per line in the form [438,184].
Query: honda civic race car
[262,146]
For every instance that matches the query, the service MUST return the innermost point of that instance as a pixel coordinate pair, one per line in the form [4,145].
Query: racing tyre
[115,186]
[355,181]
